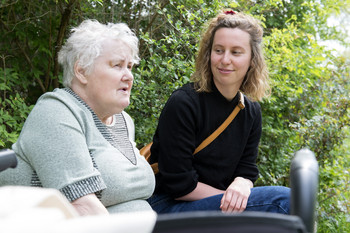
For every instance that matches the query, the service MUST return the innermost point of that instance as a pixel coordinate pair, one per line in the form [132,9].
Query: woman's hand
[236,195]
[89,205]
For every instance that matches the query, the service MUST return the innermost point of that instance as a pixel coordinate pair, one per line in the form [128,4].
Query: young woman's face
[109,84]
[230,60]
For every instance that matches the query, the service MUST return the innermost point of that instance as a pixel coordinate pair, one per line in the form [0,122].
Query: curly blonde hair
[255,84]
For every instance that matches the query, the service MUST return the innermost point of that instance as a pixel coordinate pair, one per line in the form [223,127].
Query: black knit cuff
[82,188]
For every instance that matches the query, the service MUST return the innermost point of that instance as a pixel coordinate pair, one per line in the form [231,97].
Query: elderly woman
[78,139]
[221,175]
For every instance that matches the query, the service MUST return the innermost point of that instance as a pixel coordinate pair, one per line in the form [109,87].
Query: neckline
[218,93]
[112,123]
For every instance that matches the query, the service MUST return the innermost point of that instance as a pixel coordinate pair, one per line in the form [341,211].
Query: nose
[127,75]
[226,58]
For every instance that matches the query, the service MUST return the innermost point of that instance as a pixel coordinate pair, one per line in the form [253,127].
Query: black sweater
[186,120]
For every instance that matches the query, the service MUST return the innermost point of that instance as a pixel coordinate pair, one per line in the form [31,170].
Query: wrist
[244,180]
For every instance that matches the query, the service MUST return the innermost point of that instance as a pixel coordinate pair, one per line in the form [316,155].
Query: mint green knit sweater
[63,145]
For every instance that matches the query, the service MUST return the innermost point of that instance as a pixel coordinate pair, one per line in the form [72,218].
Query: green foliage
[334,196]
[167,64]
[309,103]
[13,108]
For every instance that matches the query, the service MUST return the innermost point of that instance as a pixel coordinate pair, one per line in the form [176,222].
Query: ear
[79,73]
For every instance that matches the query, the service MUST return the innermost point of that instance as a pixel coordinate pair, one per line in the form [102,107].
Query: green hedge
[309,105]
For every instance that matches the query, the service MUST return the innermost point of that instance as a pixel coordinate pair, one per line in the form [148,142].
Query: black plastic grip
[304,187]
[7,159]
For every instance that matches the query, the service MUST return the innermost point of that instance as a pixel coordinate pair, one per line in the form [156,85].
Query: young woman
[221,176]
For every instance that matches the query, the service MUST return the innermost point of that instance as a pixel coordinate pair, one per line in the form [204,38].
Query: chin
[124,105]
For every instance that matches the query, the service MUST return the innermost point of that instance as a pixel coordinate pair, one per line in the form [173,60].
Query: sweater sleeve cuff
[84,187]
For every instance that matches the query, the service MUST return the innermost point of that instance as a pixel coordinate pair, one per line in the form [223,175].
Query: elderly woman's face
[109,84]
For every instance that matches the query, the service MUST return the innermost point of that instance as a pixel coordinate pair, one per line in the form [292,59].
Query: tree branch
[60,36]
[153,18]
[27,58]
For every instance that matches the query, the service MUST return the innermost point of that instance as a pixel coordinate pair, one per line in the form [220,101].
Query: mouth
[225,71]
[124,89]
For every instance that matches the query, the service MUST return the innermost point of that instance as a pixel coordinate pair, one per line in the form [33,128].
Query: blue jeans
[273,199]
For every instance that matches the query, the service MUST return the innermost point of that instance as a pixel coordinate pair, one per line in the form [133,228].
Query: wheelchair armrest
[7,159]
[304,187]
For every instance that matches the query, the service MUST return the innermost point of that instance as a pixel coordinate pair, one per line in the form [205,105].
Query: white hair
[85,43]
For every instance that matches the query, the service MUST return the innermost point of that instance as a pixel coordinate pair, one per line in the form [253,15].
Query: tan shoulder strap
[146,150]
[223,126]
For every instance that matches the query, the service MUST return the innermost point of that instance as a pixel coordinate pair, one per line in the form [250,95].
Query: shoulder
[182,101]
[252,110]
[182,104]
[184,96]
[252,106]
[186,92]
[59,108]
[59,100]
[57,94]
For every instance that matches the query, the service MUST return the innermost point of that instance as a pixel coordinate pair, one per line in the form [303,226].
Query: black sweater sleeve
[247,167]
[173,145]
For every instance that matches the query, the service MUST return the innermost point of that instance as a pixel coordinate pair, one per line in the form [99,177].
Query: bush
[309,105]
[13,108]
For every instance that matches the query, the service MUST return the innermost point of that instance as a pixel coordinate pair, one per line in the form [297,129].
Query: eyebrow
[234,47]
[120,59]
[117,58]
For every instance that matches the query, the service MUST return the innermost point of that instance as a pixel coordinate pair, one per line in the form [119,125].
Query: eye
[130,66]
[236,52]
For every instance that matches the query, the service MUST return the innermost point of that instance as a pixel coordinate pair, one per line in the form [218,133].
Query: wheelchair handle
[304,187]
[7,159]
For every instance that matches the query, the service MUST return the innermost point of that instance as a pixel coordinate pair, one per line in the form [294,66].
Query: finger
[225,201]
[238,206]
[233,204]
[222,201]
[241,204]
[244,204]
